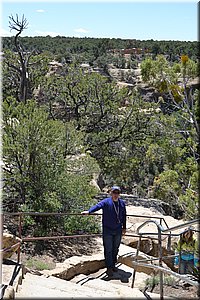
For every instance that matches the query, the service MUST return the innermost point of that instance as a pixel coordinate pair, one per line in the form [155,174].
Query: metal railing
[162,270]
[160,231]
[29,239]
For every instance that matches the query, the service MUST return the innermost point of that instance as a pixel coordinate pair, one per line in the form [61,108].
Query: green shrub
[37,264]
[155,280]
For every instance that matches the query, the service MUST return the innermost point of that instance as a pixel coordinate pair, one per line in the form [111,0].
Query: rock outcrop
[11,244]
[154,204]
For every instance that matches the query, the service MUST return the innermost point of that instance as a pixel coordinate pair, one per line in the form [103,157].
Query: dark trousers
[111,243]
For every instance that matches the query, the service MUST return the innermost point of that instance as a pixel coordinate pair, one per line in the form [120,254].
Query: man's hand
[85,212]
[123,231]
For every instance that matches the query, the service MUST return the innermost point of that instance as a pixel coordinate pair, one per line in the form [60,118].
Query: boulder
[77,265]
[87,264]
[10,245]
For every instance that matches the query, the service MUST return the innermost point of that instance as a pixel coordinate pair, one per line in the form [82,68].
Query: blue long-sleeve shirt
[111,219]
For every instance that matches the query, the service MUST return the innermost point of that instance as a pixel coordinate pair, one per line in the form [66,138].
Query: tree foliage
[181,104]
[75,125]
[36,174]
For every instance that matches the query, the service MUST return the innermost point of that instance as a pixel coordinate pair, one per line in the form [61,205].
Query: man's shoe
[115,269]
[109,272]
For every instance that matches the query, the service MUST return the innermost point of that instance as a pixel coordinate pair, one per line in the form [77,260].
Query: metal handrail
[10,247]
[168,229]
[58,237]
[195,221]
[160,230]
[27,239]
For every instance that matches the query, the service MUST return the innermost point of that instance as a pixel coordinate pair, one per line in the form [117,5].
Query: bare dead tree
[20,26]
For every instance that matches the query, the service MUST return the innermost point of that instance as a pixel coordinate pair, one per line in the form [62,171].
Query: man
[113,226]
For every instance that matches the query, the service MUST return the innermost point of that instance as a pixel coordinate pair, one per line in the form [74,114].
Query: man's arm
[94,208]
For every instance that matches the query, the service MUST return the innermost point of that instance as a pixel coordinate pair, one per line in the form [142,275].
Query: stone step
[121,280]
[85,276]
[119,290]
[123,277]
[35,286]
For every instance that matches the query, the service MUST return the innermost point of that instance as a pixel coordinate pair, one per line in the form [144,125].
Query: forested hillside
[61,45]
[68,122]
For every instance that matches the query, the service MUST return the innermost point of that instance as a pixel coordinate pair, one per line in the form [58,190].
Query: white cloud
[45,33]
[4,32]
[81,30]
[78,35]
[40,10]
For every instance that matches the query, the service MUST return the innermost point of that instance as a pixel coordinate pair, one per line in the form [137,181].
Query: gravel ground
[178,291]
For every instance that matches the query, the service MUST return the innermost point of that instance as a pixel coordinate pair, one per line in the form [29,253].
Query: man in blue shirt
[113,226]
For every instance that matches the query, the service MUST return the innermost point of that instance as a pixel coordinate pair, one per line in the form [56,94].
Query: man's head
[115,191]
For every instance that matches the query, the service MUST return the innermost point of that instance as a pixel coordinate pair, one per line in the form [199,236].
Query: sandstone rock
[10,240]
[77,265]
[155,205]
[115,289]
[88,264]
[51,287]
[9,293]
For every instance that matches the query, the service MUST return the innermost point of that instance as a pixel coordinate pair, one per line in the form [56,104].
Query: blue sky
[141,20]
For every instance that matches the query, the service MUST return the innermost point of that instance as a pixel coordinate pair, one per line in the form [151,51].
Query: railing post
[160,261]
[137,252]
[1,254]
[169,241]
[159,227]
[20,236]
